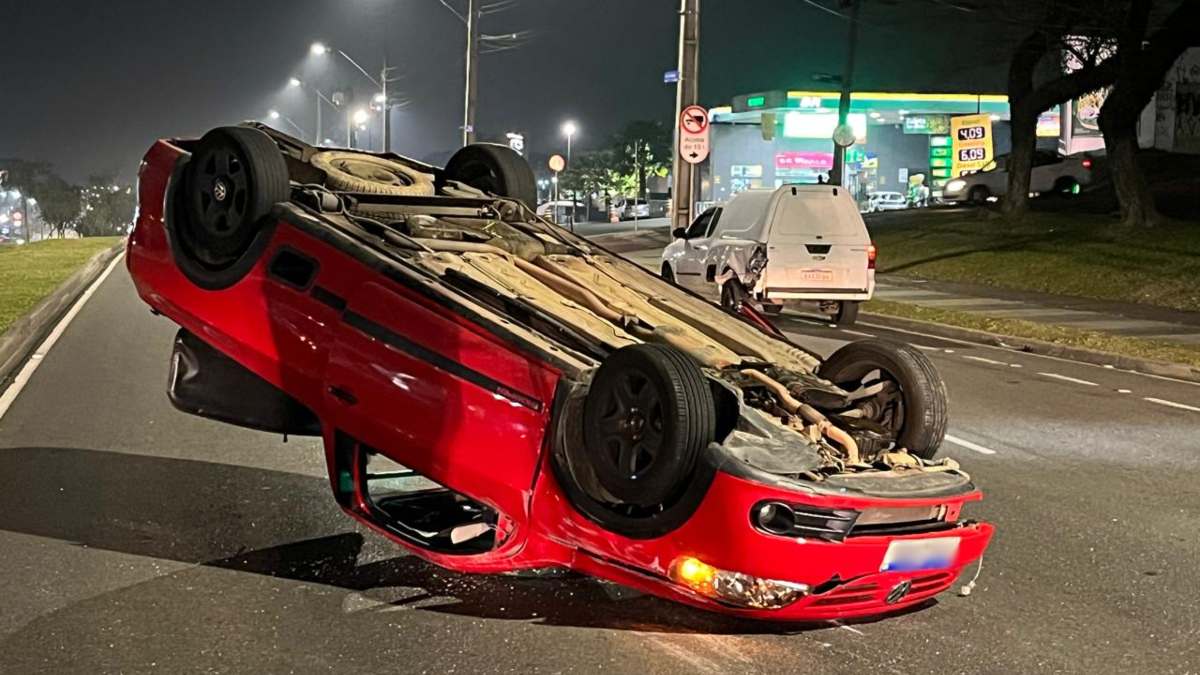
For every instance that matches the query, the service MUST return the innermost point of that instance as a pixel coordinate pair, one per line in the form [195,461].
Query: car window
[712,225]
[699,226]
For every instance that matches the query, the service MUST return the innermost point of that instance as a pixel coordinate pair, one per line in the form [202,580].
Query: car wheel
[495,169]
[359,172]
[896,387]
[648,416]
[667,274]
[235,176]
[847,313]
[733,295]
[979,194]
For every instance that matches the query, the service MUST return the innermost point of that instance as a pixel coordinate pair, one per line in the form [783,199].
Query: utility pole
[472,79]
[383,106]
[318,139]
[837,174]
[687,92]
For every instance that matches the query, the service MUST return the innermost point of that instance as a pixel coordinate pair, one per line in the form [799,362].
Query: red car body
[389,364]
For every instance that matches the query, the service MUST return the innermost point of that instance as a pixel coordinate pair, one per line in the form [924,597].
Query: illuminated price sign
[972,155]
[971,137]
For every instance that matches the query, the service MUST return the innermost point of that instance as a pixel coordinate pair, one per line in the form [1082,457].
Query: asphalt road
[134,538]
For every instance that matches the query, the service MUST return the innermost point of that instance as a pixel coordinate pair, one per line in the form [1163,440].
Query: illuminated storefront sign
[821,125]
[927,124]
[803,160]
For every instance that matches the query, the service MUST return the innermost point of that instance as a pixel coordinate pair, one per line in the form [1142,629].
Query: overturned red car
[495,393]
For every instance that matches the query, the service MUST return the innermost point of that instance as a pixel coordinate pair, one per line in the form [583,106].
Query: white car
[631,208]
[886,201]
[1051,173]
[797,245]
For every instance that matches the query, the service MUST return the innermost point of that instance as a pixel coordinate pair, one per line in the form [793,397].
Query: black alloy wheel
[236,175]
[648,416]
[495,169]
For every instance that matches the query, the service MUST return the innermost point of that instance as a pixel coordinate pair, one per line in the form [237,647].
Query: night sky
[88,85]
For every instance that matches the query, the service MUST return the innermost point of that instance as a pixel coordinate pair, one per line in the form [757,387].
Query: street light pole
[472,75]
[687,92]
[837,175]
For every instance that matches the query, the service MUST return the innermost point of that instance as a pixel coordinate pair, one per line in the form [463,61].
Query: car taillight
[872,252]
[1087,163]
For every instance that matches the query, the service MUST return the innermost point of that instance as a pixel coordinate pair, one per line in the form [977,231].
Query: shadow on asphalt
[232,517]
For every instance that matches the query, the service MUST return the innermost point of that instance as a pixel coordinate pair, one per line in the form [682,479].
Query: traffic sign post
[693,134]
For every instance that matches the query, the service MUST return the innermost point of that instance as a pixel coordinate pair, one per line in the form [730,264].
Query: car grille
[868,592]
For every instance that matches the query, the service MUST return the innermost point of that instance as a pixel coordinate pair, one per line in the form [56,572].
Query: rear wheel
[897,388]
[495,169]
[236,175]
[648,416]
[847,313]
[733,295]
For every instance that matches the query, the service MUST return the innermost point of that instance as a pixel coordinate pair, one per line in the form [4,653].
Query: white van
[797,245]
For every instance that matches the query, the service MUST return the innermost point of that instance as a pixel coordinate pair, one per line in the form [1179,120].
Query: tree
[642,148]
[58,200]
[1029,97]
[1143,64]
[107,207]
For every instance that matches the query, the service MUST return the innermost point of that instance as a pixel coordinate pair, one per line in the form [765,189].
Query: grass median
[1059,335]
[31,272]
[1066,253]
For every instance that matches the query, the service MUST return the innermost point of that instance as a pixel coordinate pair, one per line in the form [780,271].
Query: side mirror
[679,233]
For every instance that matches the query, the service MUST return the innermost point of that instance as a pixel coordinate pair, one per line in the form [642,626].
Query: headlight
[735,588]
[956,185]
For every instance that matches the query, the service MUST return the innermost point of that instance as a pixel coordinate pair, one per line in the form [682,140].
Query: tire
[359,172]
[733,294]
[666,273]
[235,176]
[647,417]
[979,194]
[919,421]
[847,314]
[495,169]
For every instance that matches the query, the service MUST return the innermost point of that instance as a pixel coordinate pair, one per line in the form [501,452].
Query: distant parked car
[1051,173]
[631,208]
[886,201]
[563,209]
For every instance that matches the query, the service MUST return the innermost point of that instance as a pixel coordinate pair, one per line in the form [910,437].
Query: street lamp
[321,49]
[294,82]
[361,116]
[569,129]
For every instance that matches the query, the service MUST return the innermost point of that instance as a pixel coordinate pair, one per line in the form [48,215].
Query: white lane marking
[855,332]
[1124,391]
[852,629]
[1072,380]
[1011,350]
[983,360]
[1172,404]
[969,445]
[1015,365]
[10,395]
[927,348]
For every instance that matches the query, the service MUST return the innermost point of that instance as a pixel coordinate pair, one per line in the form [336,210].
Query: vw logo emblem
[219,190]
[899,592]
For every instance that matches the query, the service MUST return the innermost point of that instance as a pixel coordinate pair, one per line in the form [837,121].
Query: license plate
[920,554]
[816,275]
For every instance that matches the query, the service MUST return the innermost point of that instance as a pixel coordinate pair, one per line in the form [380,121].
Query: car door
[689,266]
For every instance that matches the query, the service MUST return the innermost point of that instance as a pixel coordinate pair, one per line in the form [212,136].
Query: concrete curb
[23,336]
[1148,366]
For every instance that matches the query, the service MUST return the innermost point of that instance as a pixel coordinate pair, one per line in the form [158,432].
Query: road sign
[671,77]
[557,163]
[971,143]
[693,134]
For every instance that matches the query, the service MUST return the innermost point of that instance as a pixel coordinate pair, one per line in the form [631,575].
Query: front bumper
[845,576]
